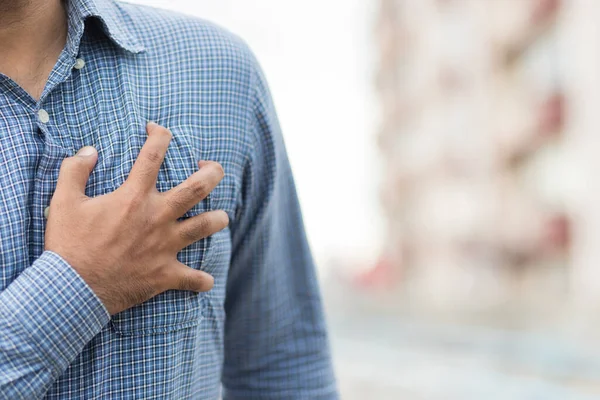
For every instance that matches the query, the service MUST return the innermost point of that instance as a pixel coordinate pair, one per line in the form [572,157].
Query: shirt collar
[116,23]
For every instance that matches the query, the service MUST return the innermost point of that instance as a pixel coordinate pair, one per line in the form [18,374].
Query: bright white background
[317,56]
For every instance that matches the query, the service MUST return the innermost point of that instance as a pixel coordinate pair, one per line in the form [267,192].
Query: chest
[106,105]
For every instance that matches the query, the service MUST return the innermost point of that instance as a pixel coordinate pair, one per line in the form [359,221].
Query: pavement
[388,356]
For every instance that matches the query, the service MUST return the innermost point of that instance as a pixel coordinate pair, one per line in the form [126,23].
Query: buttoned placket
[56,143]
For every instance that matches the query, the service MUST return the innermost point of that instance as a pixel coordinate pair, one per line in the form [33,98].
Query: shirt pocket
[172,310]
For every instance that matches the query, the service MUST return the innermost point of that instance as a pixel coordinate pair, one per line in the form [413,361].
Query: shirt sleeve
[47,315]
[276,344]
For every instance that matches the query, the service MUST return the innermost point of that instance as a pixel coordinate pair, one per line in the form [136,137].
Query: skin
[123,244]
[32,36]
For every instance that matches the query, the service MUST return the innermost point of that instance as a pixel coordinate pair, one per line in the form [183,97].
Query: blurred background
[445,153]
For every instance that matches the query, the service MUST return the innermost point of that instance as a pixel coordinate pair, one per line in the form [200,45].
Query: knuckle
[187,194]
[163,279]
[127,190]
[153,156]
[186,282]
[175,203]
[143,175]
[133,199]
[203,224]
[189,235]
[200,189]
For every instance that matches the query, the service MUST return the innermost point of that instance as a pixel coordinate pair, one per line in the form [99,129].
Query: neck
[31,25]
[32,35]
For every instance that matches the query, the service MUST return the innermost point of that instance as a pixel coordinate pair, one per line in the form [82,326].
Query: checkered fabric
[260,333]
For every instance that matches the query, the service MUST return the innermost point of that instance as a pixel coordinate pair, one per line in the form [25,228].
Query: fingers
[186,278]
[200,226]
[145,169]
[194,189]
[75,172]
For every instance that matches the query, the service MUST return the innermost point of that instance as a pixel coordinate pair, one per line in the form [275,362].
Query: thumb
[75,171]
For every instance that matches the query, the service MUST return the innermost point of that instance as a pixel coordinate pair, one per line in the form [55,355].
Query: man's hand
[124,244]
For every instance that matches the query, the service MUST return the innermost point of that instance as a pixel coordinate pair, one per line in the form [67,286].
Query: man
[132,267]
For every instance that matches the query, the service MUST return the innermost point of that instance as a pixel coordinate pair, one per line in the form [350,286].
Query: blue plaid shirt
[259,333]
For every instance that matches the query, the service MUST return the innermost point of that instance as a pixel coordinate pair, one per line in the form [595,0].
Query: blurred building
[479,191]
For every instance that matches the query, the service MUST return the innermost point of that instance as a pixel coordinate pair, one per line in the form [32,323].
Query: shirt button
[43,116]
[46,212]
[79,63]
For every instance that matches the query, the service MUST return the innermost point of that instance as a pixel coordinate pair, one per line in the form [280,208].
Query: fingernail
[151,124]
[86,151]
